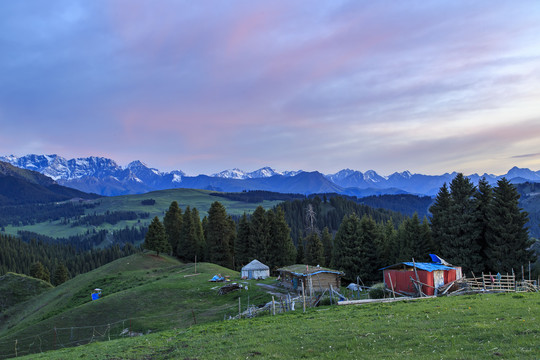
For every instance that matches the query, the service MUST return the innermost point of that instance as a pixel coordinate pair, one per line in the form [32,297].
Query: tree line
[478,228]
[42,259]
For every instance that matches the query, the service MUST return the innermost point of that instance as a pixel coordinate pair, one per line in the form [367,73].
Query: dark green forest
[480,228]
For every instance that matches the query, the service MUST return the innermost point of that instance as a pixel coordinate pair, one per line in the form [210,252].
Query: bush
[377,291]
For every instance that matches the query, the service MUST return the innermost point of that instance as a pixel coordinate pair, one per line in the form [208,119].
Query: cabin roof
[308,270]
[420,266]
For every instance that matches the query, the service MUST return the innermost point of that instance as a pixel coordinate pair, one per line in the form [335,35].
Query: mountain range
[21,186]
[105,177]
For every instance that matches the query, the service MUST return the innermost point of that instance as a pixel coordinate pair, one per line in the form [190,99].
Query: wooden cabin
[400,277]
[314,278]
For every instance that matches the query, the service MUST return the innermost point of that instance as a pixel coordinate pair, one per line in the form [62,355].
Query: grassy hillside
[488,326]
[142,293]
[17,288]
[201,199]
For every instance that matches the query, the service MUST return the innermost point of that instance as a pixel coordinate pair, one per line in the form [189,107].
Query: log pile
[228,288]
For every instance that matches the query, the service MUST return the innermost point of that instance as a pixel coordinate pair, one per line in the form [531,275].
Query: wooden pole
[15,347]
[303,297]
[194,319]
[417,278]
[239,309]
[273,306]
[195,264]
[392,285]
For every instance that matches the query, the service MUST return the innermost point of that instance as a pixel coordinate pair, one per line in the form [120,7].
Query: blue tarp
[422,266]
[95,296]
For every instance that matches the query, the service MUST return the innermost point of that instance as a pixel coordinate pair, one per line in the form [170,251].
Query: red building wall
[401,279]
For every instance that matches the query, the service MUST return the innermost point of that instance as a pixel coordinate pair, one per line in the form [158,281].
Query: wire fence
[64,337]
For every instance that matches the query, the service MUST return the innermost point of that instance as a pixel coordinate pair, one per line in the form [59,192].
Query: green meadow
[200,199]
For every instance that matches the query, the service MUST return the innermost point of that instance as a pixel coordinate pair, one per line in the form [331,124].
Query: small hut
[314,278]
[402,276]
[255,270]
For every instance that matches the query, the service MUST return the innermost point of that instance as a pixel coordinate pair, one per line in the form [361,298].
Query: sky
[203,86]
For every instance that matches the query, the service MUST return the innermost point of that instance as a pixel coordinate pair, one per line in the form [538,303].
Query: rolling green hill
[201,199]
[17,288]
[142,293]
[487,326]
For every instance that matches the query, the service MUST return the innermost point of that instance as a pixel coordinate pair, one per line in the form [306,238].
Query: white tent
[255,270]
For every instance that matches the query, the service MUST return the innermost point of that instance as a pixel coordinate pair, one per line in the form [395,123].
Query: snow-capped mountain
[264,172]
[105,177]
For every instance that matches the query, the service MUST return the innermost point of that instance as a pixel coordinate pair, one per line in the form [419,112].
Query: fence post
[273,306]
[303,297]
[239,309]
[15,347]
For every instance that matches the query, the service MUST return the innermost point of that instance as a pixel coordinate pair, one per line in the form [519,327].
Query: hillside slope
[142,293]
[20,186]
[488,326]
[17,288]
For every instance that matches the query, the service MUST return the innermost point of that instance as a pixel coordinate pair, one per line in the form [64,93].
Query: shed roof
[306,270]
[420,265]
[256,265]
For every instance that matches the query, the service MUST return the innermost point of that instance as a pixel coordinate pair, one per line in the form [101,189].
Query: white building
[255,270]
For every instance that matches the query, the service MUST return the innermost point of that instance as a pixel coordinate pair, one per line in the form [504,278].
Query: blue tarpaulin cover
[95,296]
[422,266]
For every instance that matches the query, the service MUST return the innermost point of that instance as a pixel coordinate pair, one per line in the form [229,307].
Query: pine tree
[188,237]
[483,199]
[328,244]
[259,235]
[367,250]
[61,275]
[242,249]
[314,249]
[173,225]
[199,234]
[462,247]
[156,238]
[346,247]
[507,236]
[281,248]
[38,271]
[300,256]
[440,213]
[387,247]
[218,236]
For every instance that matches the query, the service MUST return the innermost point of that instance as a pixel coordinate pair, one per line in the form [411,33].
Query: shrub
[377,291]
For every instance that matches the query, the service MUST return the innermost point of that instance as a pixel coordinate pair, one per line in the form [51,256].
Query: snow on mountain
[262,173]
[230,174]
[104,176]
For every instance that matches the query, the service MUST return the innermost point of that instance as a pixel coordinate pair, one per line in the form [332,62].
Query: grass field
[141,292]
[201,199]
[487,326]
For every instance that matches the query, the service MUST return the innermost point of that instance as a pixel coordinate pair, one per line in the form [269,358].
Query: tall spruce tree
[507,236]
[483,199]
[173,225]
[38,271]
[367,249]
[387,246]
[347,247]
[156,238]
[241,249]
[61,275]
[188,237]
[328,244]
[259,240]
[199,234]
[314,249]
[281,248]
[219,235]
[462,246]
[440,213]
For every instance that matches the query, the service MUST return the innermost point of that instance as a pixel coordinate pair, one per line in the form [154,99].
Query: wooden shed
[255,270]
[314,278]
[433,275]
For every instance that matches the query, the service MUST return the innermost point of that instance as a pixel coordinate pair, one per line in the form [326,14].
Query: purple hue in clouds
[316,85]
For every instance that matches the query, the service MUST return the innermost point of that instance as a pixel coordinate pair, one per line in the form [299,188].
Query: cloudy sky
[203,86]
